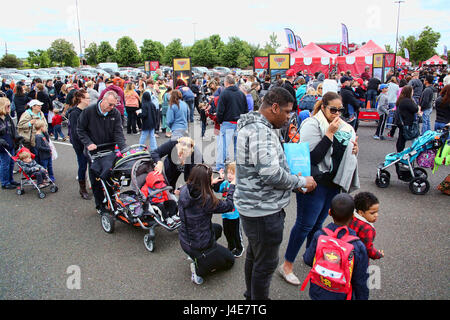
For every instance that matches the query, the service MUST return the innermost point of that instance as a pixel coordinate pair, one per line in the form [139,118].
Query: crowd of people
[256,183]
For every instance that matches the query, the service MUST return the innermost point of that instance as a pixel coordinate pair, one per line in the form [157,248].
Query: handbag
[54,152]
[410,132]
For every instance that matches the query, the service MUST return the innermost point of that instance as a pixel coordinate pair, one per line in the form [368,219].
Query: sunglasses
[185,144]
[334,110]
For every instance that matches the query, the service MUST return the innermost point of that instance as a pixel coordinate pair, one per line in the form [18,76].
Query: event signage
[292,43]
[260,65]
[299,42]
[182,70]
[382,63]
[344,47]
[279,63]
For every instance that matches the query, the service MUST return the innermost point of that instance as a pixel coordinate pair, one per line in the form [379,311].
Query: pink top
[132,99]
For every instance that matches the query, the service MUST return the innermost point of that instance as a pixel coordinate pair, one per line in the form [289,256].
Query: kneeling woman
[197,233]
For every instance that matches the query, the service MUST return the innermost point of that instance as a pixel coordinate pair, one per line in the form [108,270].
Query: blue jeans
[48,165]
[82,164]
[426,124]
[6,168]
[190,103]
[312,210]
[146,134]
[227,134]
[372,97]
[57,131]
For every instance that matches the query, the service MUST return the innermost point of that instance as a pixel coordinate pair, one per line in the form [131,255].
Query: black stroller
[123,200]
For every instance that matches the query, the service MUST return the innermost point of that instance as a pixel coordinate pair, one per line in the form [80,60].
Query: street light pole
[398,21]
[79,32]
[194,23]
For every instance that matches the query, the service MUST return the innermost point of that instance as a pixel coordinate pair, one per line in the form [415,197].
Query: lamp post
[79,32]
[194,23]
[398,21]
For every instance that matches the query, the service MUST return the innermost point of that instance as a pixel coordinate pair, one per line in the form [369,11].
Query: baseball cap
[290,73]
[383,86]
[346,78]
[34,102]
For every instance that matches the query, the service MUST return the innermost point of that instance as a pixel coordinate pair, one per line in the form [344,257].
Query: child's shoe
[169,222]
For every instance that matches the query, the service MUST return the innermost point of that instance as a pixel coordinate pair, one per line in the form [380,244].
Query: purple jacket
[119,91]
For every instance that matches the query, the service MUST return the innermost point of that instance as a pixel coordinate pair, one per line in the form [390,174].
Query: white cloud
[253,21]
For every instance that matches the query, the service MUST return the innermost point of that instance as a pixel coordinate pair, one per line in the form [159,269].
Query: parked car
[43,74]
[16,77]
[221,71]
[59,72]
[110,65]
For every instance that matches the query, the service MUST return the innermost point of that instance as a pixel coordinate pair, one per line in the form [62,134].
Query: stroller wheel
[384,179]
[420,173]
[20,192]
[54,189]
[419,186]
[149,243]
[41,195]
[108,222]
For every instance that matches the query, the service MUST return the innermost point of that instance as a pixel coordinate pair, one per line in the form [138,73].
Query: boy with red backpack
[338,258]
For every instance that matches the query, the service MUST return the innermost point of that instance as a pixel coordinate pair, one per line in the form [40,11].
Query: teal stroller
[404,161]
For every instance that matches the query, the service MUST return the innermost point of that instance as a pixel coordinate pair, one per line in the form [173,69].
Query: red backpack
[333,263]
[152,182]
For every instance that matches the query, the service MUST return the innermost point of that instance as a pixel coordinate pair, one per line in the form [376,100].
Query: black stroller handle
[168,188]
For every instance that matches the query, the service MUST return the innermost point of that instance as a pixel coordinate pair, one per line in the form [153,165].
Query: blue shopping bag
[298,158]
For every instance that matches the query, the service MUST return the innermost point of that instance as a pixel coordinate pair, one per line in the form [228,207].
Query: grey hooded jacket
[263,180]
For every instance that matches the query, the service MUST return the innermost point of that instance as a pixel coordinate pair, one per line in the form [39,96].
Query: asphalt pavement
[46,244]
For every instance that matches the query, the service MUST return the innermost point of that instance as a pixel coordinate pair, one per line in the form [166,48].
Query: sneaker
[9,187]
[176,218]
[376,137]
[169,222]
[194,277]
[237,253]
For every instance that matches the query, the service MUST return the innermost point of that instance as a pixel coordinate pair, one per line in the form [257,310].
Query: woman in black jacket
[43,97]
[443,108]
[407,109]
[81,100]
[20,101]
[149,120]
[182,156]
[197,233]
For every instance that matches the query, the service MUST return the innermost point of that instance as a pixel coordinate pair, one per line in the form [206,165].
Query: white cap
[34,102]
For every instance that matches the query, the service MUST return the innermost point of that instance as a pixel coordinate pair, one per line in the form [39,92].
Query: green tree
[217,46]
[152,50]
[10,61]
[422,47]
[127,53]
[173,50]
[44,60]
[91,54]
[236,53]
[388,48]
[62,52]
[106,52]
[203,54]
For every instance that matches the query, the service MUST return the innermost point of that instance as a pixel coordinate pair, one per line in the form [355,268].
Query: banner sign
[260,63]
[279,63]
[299,42]
[292,43]
[382,63]
[182,70]
[406,54]
[389,60]
[344,40]
[154,65]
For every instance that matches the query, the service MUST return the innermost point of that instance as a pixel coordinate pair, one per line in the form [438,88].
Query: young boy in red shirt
[57,125]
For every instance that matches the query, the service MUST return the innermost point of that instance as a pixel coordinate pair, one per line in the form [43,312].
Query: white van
[109,65]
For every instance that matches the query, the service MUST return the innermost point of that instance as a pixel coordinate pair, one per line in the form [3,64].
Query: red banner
[389,60]
[261,63]
[154,65]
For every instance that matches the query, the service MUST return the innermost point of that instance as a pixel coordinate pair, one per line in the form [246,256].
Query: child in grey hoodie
[383,111]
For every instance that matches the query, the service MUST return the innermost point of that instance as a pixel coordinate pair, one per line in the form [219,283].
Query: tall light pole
[194,23]
[398,21]
[79,32]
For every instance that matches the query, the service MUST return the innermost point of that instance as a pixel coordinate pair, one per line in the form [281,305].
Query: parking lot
[45,243]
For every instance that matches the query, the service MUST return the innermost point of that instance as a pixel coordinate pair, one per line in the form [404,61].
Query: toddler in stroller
[30,171]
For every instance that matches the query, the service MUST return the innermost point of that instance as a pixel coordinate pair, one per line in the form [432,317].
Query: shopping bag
[298,158]
[54,152]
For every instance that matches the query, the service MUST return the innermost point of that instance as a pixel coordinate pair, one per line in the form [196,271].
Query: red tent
[313,59]
[358,60]
[402,61]
[434,60]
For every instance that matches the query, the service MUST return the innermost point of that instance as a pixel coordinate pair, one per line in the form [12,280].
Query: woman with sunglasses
[181,156]
[197,233]
[324,131]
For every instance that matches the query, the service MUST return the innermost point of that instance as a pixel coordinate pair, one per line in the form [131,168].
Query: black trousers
[131,119]
[381,125]
[401,142]
[265,235]
[221,258]
[232,233]
[168,208]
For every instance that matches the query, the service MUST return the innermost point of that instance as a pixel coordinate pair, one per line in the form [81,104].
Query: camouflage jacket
[263,180]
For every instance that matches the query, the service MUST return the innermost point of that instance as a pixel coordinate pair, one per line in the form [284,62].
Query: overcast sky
[31,25]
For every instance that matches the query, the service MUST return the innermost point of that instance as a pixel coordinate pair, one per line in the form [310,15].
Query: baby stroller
[404,163]
[290,131]
[124,201]
[30,180]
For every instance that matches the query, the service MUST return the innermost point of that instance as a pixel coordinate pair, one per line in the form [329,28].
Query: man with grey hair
[232,103]
[99,124]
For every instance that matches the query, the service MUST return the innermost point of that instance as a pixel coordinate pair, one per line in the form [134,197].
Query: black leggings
[168,208]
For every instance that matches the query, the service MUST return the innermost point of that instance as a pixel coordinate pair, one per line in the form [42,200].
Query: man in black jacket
[232,103]
[100,123]
[426,102]
[289,86]
[350,102]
